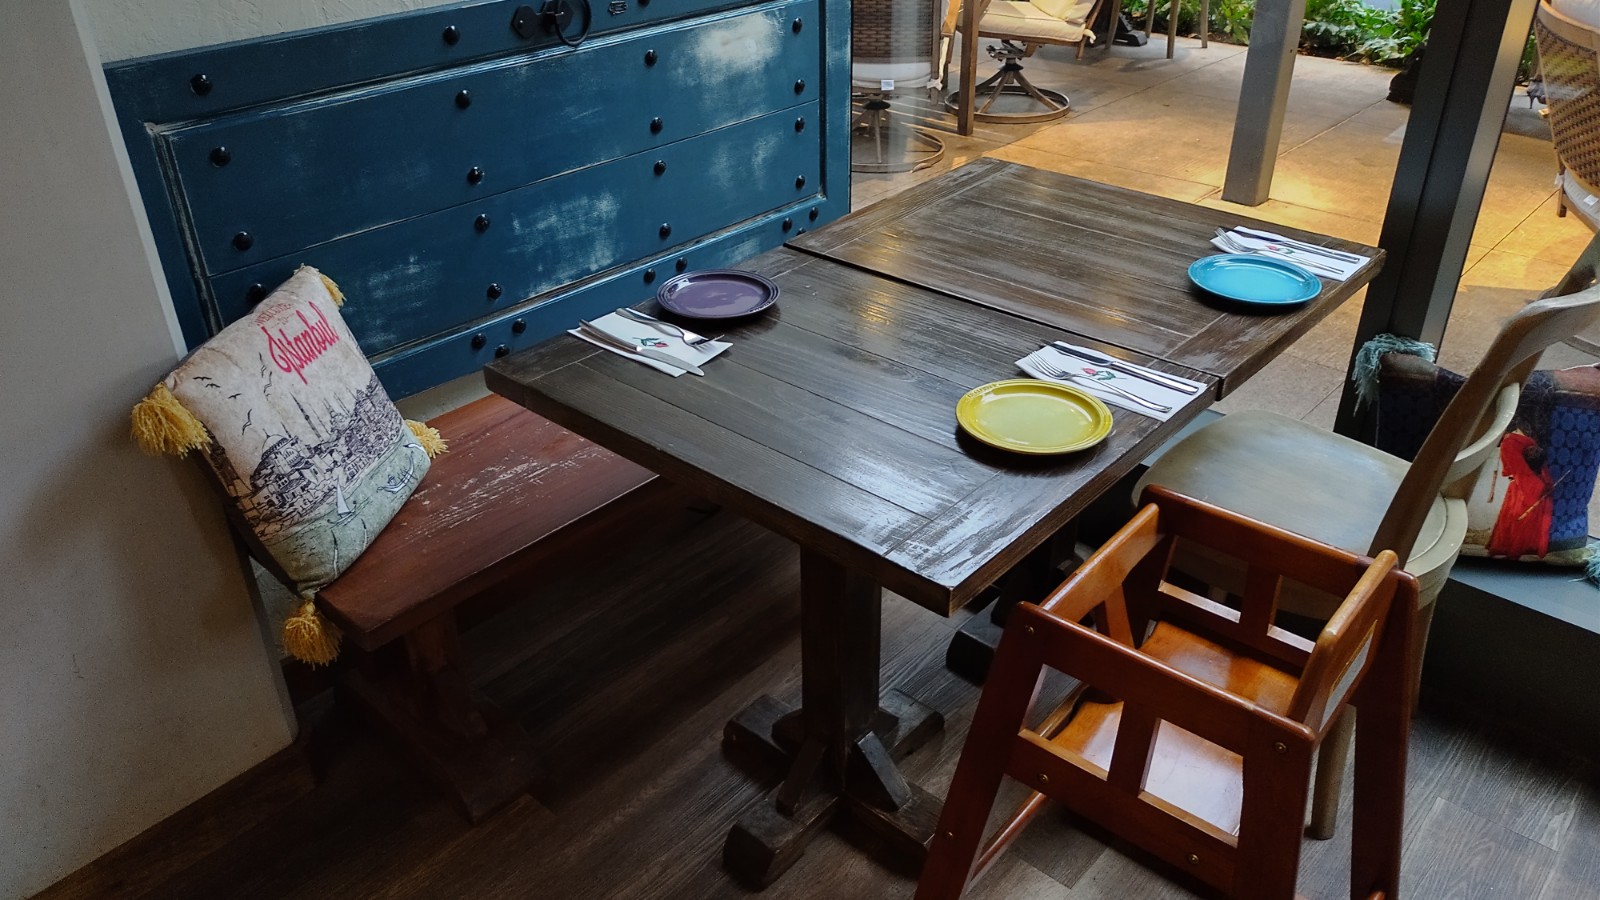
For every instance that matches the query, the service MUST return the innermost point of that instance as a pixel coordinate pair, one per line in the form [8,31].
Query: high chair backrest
[1570,307]
[1330,669]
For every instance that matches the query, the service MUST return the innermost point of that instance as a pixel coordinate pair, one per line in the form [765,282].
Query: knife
[1300,245]
[1100,359]
[590,329]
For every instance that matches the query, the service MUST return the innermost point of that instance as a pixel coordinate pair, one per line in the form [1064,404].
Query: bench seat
[516,496]
[514,489]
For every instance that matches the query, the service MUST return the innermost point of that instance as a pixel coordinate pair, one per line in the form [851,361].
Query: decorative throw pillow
[1530,501]
[301,436]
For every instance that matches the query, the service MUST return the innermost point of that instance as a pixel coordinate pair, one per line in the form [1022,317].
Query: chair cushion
[870,76]
[1530,501]
[1296,476]
[1586,12]
[1074,12]
[1030,22]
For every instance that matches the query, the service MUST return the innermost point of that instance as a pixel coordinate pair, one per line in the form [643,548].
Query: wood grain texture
[832,421]
[1089,258]
[513,487]
[627,672]
[1473,858]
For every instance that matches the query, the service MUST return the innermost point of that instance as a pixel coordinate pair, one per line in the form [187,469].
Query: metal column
[1451,137]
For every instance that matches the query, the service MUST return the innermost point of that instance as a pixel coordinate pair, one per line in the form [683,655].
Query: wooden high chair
[1339,491]
[1193,729]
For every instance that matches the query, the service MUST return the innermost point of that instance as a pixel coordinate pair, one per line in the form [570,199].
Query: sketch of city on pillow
[305,441]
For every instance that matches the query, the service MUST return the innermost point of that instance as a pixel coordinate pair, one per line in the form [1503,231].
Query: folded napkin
[1324,263]
[1093,374]
[644,335]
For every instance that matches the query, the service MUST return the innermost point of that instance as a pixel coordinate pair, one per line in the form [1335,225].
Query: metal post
[1462,94]
[1268,67]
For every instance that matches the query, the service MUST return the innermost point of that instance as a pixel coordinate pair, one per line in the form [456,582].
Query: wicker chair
[893,45]
[1571,72]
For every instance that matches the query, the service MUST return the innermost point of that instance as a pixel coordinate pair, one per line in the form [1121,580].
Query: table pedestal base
[873,797]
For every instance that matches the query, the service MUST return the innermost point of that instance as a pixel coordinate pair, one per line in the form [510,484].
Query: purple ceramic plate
[717,294]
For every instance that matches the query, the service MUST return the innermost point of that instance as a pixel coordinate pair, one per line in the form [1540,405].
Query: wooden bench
[377,151]
[515,494]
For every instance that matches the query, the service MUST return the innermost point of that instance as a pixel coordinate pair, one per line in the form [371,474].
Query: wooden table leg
[972,648]
[839,749]
[477,754]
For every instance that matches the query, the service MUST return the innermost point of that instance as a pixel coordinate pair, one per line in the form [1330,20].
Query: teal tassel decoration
[1591,567]
[1365,371]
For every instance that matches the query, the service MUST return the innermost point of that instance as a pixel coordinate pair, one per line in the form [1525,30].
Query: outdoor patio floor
[1163,126]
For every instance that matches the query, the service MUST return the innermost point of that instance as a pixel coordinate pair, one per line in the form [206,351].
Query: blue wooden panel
[296,176]
[245,73]
[583,240]
[416,278]
[420,366]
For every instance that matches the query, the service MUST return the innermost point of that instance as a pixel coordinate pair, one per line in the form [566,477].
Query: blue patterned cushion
[1531,499]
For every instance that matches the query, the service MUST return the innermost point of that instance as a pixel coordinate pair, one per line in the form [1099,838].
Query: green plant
[1404,30]
[1231,19]
[1339,27]
[1347,29]
[1530,61]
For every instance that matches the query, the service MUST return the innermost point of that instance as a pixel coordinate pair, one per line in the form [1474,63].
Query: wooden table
[1089,258]
[831,421]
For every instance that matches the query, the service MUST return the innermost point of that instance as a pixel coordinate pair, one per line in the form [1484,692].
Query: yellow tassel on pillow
[432,442]
[308,637]
[161,424]
[333,290]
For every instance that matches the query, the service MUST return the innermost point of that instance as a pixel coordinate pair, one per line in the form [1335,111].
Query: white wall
[128,28]
[134,675]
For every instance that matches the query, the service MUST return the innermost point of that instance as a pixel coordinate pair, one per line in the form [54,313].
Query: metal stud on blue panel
[379,204]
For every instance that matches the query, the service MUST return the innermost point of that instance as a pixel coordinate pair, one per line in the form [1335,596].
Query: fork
[1064,375]
[689,337]
[1291,257]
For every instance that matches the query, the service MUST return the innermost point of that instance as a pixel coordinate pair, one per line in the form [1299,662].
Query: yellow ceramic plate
[1039,417]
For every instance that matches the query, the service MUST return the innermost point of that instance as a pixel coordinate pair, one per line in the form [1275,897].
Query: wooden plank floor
[627,672]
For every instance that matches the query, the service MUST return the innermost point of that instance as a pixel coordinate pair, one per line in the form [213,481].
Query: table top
[831,420]
[1090,258]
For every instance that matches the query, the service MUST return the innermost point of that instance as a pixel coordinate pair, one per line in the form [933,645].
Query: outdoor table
[831,421]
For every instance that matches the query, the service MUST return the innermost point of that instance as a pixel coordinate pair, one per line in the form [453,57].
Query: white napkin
[635,332]
[1276,246]
[1092,373]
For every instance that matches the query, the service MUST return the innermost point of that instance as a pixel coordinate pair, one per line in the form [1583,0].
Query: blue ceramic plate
[1254,279]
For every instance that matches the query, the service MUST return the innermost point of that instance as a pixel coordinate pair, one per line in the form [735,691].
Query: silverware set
[689,337]
[610,340]
[1117,365]
[1052,371]
[1329,252]
[1293,252]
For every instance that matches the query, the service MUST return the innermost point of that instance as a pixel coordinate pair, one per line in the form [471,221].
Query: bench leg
[477,754]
